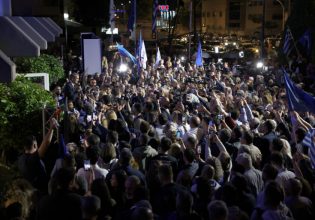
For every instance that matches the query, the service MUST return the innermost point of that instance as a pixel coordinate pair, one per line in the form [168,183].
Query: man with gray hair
[254,176]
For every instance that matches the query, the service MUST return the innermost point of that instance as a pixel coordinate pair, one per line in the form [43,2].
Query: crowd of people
[171,142]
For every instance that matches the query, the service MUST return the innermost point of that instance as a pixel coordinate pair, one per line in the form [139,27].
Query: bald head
[194,121]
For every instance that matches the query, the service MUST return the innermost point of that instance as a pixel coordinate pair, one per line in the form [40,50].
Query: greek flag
[309,142]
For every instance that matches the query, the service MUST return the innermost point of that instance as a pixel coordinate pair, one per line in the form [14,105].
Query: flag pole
[294,43]
[154,17]
[112,11]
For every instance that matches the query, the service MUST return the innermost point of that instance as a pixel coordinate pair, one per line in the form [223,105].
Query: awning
[7,68]
[23,36]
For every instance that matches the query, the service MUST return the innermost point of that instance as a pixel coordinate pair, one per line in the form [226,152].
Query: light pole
[66,17]
[283,13]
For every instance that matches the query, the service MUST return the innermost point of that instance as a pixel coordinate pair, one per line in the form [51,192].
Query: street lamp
[283,12]
[66,17]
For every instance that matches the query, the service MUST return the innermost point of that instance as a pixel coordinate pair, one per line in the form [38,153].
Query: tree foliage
[42,64]
[21,103]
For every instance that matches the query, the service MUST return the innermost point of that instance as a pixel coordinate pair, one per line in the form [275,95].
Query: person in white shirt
[91,170]
[161,125]
[194,125]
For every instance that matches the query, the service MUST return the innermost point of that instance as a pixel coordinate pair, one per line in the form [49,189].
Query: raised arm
[218,142]
[47,139]
[207,148]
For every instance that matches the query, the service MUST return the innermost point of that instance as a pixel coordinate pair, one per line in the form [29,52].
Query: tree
[43,64]
[21,103]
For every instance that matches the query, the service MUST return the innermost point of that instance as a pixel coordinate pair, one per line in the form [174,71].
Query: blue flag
[288,43]
[154,15]
[126,53]
[62,147]
[132,15]
[306,42]
[139,46]
[298,100]
[138,51]
[199,56]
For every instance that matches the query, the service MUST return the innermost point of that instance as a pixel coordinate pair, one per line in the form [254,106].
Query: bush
[21,103]
[42,64]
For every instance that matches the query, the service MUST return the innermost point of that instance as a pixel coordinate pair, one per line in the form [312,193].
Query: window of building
[256,18]
[208,14]
[235,11]
[214,14]
[234,25]
[235,15]
[158,23]
[221,14]
[255,3]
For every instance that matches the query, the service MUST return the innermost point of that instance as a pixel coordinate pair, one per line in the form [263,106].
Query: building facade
[214,16]
[273,17]
[242,17]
